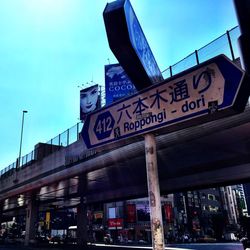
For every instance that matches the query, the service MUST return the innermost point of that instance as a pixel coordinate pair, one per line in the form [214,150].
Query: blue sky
[49,47]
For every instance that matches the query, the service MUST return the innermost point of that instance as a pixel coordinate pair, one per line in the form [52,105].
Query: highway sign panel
[211,90]
[129,44]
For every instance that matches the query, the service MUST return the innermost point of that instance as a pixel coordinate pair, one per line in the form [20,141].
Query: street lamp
[20,149]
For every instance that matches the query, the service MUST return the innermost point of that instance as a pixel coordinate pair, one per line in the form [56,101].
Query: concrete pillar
[82,232]
[1,212]
[31,220]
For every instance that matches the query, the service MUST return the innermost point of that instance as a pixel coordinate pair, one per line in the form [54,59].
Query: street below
[198,246]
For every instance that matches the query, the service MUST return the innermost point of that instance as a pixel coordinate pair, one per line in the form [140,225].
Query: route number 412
[104,125]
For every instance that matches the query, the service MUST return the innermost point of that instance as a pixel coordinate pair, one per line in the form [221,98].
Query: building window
[143,213]
[196,203]
[112,212]
[190,202]
[213,208]
[211,197]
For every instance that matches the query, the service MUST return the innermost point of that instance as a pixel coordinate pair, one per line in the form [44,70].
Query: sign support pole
[154,193]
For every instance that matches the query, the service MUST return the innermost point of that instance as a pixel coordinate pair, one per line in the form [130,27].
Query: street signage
[115,223]
[208,91]
[129,44]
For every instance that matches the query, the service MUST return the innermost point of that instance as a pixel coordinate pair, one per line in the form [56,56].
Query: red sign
[115,223]
[131,213]
[168,212]
[98,215]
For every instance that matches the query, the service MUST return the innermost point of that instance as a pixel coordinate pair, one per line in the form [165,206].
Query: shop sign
[115,223]
[131,213]
[98,215]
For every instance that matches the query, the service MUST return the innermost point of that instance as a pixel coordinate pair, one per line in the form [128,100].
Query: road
[208,246]
[200,246]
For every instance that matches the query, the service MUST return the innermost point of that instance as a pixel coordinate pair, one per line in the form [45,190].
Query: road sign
[211,90]
[129,44]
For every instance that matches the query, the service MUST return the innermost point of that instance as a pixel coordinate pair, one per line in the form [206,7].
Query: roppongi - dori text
[151,119]
[171,101]
[154,119]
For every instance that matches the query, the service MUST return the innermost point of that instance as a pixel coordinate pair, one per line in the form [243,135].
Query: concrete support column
[154,193]
[1,212]
[82,232]
[31,220]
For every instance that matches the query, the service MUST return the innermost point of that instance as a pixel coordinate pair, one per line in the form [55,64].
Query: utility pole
[154,193]
[21,140]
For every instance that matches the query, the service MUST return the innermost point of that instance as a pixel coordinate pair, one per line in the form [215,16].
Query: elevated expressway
[214,153]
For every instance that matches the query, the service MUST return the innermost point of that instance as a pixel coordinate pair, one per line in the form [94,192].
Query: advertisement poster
[89,101]
[117,83]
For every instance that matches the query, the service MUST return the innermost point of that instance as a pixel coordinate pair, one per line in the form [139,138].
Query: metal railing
[225,44]
[64,139]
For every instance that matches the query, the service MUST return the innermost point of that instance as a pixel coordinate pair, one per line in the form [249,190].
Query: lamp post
[20,149]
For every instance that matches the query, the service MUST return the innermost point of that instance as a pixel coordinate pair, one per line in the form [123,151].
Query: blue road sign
[129,44]
[211,90]
[104,125]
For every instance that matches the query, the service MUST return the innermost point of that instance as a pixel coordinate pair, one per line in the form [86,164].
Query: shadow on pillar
[82,231]
[31,219]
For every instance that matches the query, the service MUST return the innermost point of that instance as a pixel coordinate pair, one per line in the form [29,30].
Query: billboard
[89,101]
[117,83]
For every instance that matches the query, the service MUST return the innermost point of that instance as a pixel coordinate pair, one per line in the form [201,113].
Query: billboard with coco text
[117,83]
